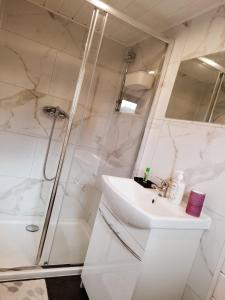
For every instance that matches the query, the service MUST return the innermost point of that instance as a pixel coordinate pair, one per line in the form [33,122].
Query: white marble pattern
[37,24]
[22,197]
[196,148]
[166,90]
[31,64]
[179,37]
[202,40]
[21,111]
[16,154]
[64,76]
[52,163]
[145,157]
[189,294]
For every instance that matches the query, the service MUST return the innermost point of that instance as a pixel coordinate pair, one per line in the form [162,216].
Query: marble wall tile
[189,294]
[21,111]
[206,34]
[90,133]
[81,191]
[196,148]
[145,158]
[64,76]
[72,207]
[25,63]
[173,151]
[60,34]
[22,197]
[143,60]
[105,92]
[39,25]
[111,55]
[121,145]
[178,36]
[53,159]
[16,154]
[121,138]
[166,90]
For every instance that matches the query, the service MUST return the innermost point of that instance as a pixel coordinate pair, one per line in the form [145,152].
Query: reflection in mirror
[199,90]
[142,63]
[128,106]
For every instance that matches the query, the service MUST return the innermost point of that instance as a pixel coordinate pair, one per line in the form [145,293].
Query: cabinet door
[113,261]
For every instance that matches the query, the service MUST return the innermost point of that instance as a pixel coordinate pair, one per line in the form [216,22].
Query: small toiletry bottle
[195,203]
[177,188]
[146,174]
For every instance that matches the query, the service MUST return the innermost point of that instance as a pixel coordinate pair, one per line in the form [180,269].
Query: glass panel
[198,90]
[103,140]
[40,57]
[192,91]
[70,226]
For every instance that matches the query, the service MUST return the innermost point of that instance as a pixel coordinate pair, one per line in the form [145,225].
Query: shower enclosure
[62,72]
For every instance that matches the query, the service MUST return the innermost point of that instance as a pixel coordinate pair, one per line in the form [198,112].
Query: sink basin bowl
[143,208]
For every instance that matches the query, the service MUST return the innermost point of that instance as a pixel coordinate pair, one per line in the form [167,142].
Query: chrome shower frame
[69,126]
[35,271]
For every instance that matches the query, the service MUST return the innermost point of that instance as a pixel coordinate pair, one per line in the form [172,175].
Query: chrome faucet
[161,188]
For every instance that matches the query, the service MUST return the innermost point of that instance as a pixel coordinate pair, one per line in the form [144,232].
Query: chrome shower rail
[36,272]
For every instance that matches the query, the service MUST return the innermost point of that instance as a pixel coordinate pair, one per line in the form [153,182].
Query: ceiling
[159,15]
[80,11]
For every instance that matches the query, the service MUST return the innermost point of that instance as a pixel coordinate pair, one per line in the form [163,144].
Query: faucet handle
[164,184]
[162,188]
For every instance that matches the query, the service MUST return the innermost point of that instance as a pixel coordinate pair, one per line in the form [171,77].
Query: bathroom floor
[59,288]
[65,288]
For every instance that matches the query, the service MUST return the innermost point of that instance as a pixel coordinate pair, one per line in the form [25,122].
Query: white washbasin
[143,208]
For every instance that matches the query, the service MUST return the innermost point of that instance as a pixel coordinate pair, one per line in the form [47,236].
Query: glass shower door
[106,140]
[79,107]
[33,56]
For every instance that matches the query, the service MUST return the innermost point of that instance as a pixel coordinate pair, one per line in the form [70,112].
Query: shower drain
[32,228]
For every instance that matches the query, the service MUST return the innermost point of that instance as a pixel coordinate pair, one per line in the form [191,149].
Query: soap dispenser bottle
[177,188]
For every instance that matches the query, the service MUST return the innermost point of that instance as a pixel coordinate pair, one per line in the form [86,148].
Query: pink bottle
[195,203]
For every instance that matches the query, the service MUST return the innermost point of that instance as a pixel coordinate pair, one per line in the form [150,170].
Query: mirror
[199,90]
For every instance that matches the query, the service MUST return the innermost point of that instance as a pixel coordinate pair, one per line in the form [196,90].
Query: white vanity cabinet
[113,260]
[142,247]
